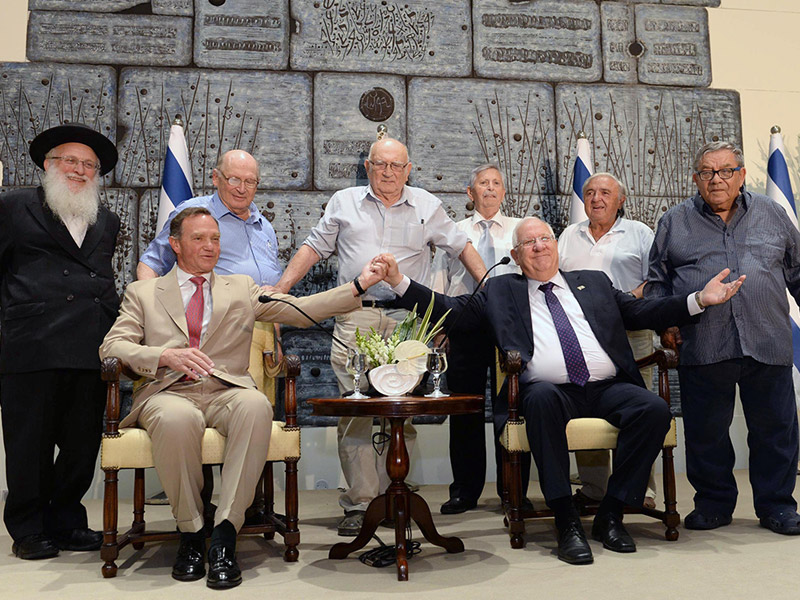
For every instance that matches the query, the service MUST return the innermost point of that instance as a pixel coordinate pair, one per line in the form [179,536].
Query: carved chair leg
[671,516]
[292,536]
[513,487]
[138,506]
[110,551]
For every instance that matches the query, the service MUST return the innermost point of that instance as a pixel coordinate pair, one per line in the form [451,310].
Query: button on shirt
[188,288]
[450,276]
[622,253]
[246,247]
[692,244]
[358,226]
[548,358]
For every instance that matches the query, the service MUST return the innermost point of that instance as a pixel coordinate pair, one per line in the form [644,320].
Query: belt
[377,304]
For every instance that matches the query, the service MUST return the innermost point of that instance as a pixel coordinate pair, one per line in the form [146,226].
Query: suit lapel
[168,294]
[94,233]
[519,296]
[583,294]
[221,300]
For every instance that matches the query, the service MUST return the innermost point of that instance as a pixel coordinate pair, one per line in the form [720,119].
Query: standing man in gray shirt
[746,342]
[360,222]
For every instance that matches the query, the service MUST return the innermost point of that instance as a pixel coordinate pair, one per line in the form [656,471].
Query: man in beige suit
[189,333]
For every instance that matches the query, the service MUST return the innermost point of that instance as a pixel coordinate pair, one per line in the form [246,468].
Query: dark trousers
[641,416]
[707,401]
[42,411]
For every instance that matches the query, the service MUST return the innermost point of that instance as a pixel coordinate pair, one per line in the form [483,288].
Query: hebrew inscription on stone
[266,114]
[109,39]
[647,136]
[676,45]
[619,43]
[419,37]
[544,40]
[180,8]
[456,124]
[37,96]
[105,6]
[348,109]
[242,34]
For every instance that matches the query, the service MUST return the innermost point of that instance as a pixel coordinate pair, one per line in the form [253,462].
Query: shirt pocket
[407,235]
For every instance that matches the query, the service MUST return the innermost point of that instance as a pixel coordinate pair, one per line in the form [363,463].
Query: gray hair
[480,169]
[623,191]
[716,147]
[515,233]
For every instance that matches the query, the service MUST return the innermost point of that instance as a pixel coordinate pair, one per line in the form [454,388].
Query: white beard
[68,205]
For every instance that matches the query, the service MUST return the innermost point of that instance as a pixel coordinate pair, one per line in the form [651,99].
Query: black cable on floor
[384,555]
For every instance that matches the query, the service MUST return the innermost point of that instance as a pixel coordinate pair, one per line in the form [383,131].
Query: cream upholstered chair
[130,448]
[582,434]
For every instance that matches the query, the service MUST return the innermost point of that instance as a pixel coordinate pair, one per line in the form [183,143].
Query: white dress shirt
[187,288]
[450,277]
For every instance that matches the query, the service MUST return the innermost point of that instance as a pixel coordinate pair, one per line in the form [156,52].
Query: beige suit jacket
[152,319]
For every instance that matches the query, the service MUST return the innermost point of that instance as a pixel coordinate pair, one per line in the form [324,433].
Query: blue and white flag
[779,188]
[581,172]
[176,184]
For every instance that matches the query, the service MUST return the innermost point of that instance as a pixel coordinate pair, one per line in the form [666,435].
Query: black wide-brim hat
[78,133]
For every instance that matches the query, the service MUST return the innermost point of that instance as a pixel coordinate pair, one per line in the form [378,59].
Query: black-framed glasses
[381,165]
[250,184]
[74,161]
[708,174]
[544,239]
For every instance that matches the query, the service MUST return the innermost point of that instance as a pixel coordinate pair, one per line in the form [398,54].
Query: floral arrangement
[407,345]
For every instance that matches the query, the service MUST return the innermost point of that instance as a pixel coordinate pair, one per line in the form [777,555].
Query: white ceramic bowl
[389,382]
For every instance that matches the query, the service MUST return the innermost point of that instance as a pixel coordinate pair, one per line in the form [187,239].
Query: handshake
[382,267]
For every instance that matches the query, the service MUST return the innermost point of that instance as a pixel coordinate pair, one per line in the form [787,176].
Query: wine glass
[356,365]
[437,364]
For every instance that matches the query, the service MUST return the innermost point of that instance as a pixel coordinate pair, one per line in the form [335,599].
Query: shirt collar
[741,201]
[404,197]
[184,277]
[557,279]
[219,210]
[619,226]
[497,218]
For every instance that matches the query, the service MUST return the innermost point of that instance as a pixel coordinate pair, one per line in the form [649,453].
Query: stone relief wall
[303,84]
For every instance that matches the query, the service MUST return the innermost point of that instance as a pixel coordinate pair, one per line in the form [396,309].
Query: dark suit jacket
[503,304]
[57,301]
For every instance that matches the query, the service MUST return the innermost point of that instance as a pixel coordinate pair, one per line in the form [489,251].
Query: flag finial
[581,135]
[775,129]
[178,120]
[382,130]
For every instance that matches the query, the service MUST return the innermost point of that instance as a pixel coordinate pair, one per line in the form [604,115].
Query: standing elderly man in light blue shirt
[360,222]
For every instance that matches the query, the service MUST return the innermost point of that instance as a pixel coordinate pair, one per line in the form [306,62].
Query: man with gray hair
[385,216]
[472,356]
[746,342]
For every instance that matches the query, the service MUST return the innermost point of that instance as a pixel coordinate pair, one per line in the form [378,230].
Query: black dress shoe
[572,545]
[34,547]
[608,528]
[458,505]
[223,571]
[79,540]
[190,562]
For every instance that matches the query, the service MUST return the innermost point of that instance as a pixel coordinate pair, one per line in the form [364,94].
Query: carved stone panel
[347,111]
[109,39]
[676,45]
[266,114]
[124,202]
[104,6]
[709,3]
[37,96]
[544,40]
[181,8]
[415,37]
[455,125]
[242,34]
[619,32]
[645,135]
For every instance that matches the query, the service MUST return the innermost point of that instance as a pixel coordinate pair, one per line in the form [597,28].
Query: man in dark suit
[575,322]
[57,301]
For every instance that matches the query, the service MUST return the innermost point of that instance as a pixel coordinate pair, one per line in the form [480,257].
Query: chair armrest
[511,363]
[110,370]
[291,364]
[665,359]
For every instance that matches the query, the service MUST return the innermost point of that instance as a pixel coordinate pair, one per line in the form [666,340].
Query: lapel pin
[580,287]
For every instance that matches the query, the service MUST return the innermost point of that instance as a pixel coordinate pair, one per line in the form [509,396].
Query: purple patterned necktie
[573,355]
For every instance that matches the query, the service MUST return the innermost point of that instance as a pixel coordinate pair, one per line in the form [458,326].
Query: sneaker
[351,523]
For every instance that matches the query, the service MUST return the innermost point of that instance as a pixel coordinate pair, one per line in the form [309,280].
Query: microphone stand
[265,299]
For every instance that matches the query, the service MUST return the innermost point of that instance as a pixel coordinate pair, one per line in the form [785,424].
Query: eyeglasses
[381,165]
[250,184]
[544,239]
[708,174]
[74,161]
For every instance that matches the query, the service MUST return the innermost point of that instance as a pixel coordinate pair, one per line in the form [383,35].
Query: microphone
[265,299]
[503,261]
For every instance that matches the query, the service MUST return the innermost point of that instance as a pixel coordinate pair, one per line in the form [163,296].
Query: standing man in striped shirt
[746,342]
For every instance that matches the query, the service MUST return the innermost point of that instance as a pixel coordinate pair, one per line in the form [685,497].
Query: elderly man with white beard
[57,301]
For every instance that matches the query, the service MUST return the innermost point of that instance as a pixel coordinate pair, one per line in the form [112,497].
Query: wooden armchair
[582,434]
[129,448]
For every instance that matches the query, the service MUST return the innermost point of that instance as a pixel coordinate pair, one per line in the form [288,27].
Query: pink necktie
[194,312]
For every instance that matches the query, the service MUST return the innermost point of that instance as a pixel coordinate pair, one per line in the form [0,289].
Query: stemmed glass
[437,364]
[356,365]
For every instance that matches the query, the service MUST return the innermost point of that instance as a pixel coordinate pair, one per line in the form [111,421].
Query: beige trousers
[364,469]
[176,419]
[594,466]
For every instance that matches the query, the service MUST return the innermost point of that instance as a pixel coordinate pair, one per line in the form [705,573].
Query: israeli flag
[581,172]
[176,183]
[779,188]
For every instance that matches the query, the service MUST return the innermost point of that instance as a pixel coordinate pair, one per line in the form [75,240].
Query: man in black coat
[575,322]
[57,301]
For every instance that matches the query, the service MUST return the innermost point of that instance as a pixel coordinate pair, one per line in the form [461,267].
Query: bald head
[236,178]
[388,168]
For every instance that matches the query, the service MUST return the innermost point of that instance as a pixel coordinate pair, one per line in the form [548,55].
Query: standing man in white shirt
[359,222]
[490,231]
[620,248]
